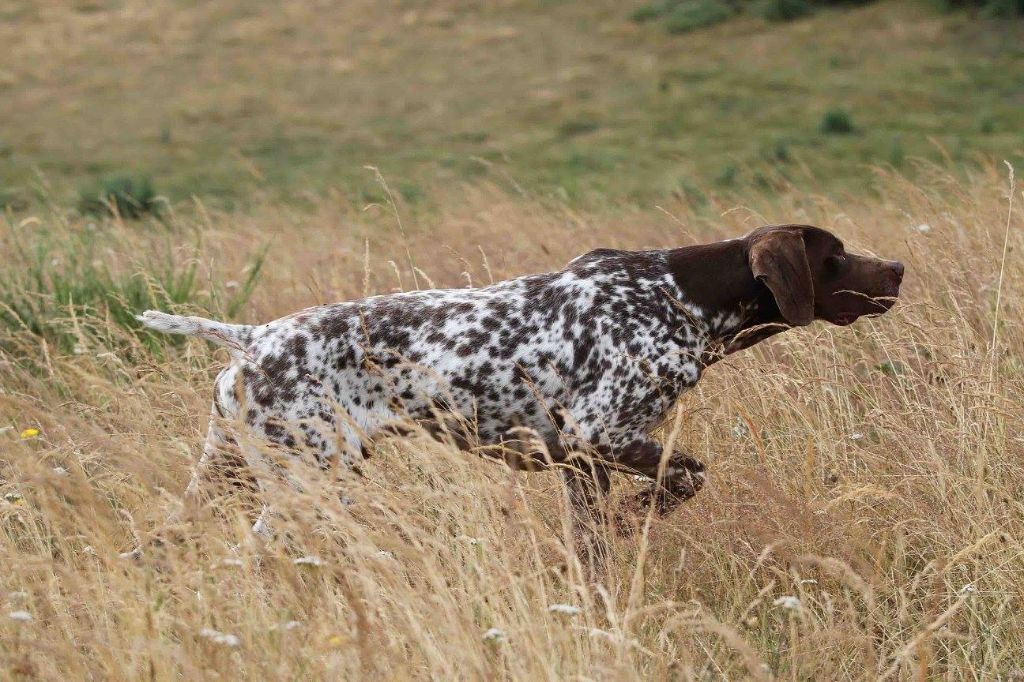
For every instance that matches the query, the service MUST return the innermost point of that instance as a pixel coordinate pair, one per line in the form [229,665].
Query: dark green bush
[647,12]
[1003,9]
[682,16]
[836,122]
[996,9]
[130,196]
[782,10]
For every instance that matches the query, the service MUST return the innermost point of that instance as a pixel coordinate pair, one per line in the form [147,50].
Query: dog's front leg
[587,482]
[680,479]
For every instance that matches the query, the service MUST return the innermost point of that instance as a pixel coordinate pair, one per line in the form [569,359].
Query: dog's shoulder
[636,264]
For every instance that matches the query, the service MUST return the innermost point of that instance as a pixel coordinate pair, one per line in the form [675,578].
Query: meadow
[864,517]
[863,520]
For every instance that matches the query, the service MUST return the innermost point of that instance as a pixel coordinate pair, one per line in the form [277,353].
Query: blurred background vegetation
[127,107]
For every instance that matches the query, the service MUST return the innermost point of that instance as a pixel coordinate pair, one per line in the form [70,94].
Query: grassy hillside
[577,100]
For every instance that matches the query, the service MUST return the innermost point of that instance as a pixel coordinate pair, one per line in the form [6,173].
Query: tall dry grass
[864,518]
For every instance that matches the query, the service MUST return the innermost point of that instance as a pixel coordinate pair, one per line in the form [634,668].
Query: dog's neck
[734,310]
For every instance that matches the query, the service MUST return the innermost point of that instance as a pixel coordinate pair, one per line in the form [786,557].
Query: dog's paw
[690,475]
[684,478]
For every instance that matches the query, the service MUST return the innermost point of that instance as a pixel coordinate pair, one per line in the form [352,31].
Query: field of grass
[571,99]
[864,517]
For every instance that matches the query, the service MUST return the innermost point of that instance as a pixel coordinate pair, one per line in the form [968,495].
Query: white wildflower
[219,637]
[229,563]
[308,561]
[788,601]
[289,625]
[565,609]
[808,581]
[924,228]
[968,589]
[231,284]
[88,549]
[20,616]
[60,471]
[384,554]
[495,635]
[856,435]
[472,541]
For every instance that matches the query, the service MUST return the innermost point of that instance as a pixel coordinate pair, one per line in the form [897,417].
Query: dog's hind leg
[220,460]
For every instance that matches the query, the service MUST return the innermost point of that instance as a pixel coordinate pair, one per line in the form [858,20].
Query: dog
[589,358]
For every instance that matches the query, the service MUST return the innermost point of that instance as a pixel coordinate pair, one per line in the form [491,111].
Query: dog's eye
[836,262]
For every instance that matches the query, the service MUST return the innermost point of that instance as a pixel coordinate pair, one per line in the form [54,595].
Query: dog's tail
[234,336]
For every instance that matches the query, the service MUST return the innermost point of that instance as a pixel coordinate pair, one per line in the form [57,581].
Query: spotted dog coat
[592,356]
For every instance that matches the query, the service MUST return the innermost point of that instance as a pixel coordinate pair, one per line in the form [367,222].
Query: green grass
[61,290]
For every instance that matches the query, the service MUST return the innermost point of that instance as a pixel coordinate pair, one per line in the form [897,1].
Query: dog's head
[811,276]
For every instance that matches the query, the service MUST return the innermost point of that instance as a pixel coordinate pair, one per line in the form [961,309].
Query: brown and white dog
[587,358]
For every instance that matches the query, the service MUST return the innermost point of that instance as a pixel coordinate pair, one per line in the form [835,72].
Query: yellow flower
[336,640]
[29,433]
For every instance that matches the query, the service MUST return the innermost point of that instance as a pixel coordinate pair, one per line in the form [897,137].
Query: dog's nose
[897,267]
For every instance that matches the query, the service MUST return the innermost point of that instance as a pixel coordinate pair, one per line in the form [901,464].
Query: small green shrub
[728,176]
[782,10]
[410,192]
[577,127]
[130,196]
[647,12]
[896,154]
[691,15]
[12,199]
[836,122]
[778,152]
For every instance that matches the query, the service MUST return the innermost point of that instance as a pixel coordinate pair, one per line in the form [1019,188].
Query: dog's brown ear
[779,259]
